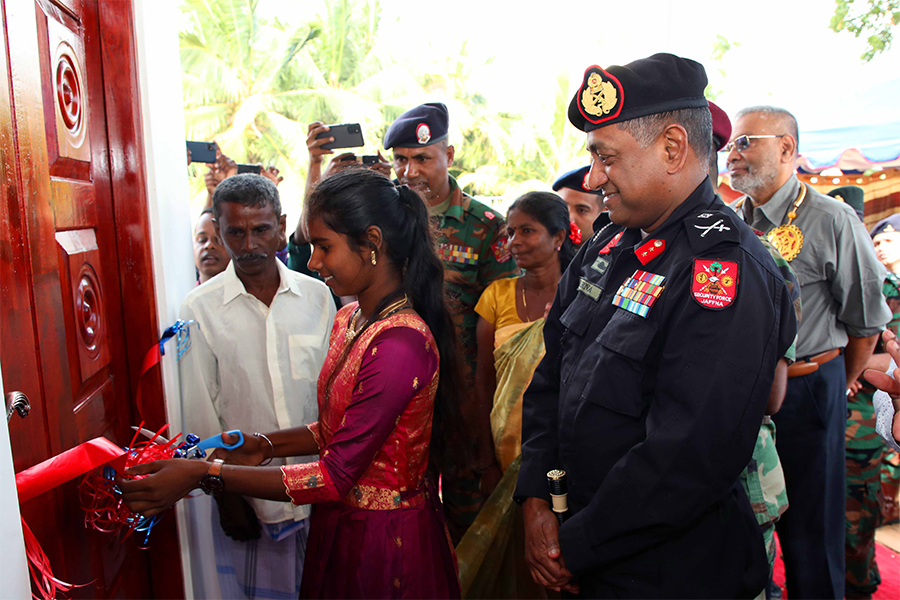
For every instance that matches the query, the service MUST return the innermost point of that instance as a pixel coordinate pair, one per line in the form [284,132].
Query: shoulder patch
[500,249]
[714,283]
[711,227]
[489,215]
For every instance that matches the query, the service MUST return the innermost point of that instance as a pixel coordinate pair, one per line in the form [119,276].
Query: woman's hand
[251,453]
[165,483]
[889,383]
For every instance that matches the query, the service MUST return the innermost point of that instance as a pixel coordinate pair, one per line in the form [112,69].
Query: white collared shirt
[254,367]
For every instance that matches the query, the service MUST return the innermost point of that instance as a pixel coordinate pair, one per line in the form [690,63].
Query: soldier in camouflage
[763,478]
[866,452]
[472,244]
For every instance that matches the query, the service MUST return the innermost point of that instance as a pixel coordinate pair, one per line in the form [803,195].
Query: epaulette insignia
[714,283]
[489,215]
[710,228]
[601,96]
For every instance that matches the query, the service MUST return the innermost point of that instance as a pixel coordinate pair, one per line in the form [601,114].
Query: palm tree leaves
[252,82]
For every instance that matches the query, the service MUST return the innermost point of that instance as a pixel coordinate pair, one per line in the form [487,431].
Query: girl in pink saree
[385,395]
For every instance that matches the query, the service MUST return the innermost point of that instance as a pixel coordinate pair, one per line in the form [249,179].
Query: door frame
[150,195]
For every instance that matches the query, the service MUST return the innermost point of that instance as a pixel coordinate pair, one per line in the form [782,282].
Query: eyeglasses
[742,142]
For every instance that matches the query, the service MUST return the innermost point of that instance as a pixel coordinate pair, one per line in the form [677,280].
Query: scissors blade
[150,434]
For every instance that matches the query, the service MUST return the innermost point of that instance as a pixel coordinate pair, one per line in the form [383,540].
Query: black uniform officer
[661,346]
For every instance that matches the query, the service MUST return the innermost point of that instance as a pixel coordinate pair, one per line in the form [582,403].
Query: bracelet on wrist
[271,447]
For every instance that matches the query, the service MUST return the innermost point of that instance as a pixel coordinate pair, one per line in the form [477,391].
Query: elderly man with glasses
[843,313]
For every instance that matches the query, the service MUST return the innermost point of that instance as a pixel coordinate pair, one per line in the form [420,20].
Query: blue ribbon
[182,333]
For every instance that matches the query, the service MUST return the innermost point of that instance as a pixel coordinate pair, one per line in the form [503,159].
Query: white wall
[13,568]
[156,34]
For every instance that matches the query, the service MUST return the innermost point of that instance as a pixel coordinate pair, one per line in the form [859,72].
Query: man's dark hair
[247,189]
[697,122]
[787,121]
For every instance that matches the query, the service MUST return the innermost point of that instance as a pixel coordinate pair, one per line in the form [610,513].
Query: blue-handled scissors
[216,441]
[210,442]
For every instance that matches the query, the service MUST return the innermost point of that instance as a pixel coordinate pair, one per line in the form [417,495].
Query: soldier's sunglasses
[742,142]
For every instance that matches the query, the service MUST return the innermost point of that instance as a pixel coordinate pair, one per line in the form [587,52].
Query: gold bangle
[271,445]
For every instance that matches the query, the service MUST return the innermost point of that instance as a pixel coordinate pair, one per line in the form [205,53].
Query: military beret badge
[600,96]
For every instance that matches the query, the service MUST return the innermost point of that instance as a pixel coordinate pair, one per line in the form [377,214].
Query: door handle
[17,402]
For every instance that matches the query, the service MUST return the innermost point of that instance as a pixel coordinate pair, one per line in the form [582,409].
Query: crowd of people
[408,367]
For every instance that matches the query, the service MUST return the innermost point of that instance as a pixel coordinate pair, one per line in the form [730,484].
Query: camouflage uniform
[865,455]
[763,478]
[890,461]
[472,245]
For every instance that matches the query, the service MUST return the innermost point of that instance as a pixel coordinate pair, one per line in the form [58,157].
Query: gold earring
[374,260]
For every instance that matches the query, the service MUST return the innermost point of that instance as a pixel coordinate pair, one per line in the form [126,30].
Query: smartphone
[369,159]
[346,135]
[202,152]
[256,169]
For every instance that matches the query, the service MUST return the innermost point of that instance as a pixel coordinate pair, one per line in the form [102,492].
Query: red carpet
[888,565]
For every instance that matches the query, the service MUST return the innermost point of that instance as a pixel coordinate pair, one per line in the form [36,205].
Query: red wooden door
[77,307]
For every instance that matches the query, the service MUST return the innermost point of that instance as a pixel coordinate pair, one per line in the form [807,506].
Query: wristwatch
[212,482]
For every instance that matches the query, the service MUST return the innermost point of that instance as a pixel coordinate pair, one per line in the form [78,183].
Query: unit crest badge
[714,283]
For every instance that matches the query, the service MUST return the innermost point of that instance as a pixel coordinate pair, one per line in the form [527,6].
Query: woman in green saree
[511,312]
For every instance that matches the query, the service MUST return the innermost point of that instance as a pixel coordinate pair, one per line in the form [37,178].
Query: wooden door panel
[75,267]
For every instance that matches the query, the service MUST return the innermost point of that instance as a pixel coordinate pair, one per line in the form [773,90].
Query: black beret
[890,224]
[423,125]
[853,196]
[575,179]
[644,87]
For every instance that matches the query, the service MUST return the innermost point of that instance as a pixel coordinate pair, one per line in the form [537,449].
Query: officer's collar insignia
[639,292]
[650,250]
[584,182]
[423,133]
[607,248]
[601,96]
[714,283]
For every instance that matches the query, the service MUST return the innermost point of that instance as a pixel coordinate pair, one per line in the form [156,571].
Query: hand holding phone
[202,152]
[245,168]
[346,135]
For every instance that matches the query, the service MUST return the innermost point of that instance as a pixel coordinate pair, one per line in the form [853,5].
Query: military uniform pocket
[620,368]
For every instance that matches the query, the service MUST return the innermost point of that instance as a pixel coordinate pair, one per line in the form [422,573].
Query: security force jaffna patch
[639,292]
[714,283]
[600,97]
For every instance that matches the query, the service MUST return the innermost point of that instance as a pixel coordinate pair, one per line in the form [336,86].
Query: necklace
[525,302]
[354,327]
[787,238]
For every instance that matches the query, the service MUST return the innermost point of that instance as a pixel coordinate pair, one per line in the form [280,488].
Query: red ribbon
[70,464]
[47,475]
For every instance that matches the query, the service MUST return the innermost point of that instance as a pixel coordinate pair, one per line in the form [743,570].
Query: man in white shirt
[259,342]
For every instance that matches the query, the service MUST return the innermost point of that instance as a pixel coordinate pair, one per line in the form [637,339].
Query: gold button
[657,243]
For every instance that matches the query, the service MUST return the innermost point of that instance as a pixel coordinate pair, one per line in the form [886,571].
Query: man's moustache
[251,256]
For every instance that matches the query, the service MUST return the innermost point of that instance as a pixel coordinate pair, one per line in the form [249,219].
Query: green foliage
[721,47]
[252,83]
[872,19]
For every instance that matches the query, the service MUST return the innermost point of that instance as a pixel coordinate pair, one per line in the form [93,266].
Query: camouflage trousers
[864,497]
[890,475]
